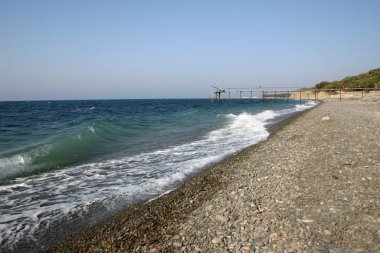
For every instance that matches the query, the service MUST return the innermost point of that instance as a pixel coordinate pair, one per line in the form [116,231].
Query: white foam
[266,115]
[84,109]
[307,105]
[91,128]
[13,165]
[297,108]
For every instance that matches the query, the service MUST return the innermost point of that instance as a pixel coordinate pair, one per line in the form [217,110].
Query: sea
[66,165]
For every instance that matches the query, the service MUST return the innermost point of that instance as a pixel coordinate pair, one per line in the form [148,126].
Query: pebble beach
[312,186]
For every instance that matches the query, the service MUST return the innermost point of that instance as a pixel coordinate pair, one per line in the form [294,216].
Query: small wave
[13,165]
[305,106]
[266,115]
[84,109]
[62,151]
[297,108]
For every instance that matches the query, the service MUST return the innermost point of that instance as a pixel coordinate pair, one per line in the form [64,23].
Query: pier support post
[217,96]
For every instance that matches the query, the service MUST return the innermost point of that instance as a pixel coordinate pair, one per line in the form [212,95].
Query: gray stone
[176,237]
[221,218]
[321,249]
[177,244]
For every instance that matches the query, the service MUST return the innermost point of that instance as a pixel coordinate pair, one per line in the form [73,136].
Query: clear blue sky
[167,49]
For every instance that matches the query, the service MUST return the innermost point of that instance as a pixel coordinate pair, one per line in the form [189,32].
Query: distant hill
[371,79]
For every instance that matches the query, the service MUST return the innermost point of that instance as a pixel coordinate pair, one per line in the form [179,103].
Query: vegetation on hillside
[371,79]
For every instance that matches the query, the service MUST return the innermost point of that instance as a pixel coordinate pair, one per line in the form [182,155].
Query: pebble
[325,118]
[197,249]
[221,218]
[176,237]
[177,244]
[216,240]
[321,249]
[327,232]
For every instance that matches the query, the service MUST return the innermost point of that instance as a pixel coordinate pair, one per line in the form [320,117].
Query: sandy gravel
[313,186]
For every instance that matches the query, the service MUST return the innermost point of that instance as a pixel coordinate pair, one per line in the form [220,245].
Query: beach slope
[313,186]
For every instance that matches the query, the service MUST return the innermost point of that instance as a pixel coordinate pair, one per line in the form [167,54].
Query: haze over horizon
[178,49]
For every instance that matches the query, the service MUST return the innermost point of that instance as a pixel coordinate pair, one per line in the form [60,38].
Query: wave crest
[64,150]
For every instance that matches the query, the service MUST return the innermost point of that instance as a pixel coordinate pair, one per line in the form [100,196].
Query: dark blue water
[58,158]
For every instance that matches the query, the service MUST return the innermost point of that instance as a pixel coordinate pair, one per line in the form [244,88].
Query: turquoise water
[59,158]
